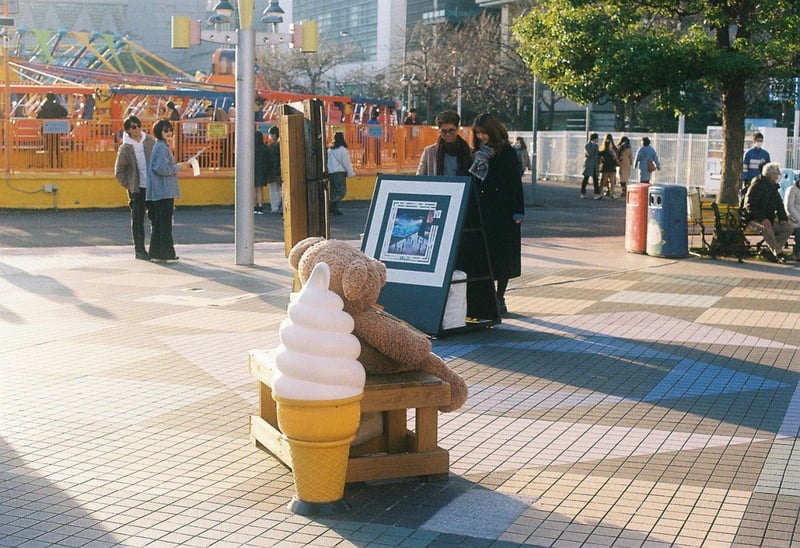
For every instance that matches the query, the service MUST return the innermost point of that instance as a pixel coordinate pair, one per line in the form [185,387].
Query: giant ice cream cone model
[318,386]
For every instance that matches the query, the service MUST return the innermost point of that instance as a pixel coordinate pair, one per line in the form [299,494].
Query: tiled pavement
[626,400]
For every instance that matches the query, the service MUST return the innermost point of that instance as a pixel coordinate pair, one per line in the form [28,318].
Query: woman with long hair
[496,172]
[340,167]
[625,153]
[608,167]
[162,189]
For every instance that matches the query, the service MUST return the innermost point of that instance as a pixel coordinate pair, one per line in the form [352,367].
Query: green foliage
[630,52]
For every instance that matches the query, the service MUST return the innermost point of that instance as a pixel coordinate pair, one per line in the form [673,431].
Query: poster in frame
[413,227]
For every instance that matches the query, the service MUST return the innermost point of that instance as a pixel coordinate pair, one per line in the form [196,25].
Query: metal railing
[683,159]
[89,146]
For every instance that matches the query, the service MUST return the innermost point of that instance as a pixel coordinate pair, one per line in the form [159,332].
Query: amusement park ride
[101,78]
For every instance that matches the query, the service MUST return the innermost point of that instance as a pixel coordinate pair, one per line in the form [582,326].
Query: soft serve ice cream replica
[318,386]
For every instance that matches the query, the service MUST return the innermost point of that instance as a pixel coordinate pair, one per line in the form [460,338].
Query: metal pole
[795,144]
[534,125]
[458,97]
[245,135]
[679,150]
[588,122]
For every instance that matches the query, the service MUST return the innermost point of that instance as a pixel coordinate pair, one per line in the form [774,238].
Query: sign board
[55,126]
[413,227]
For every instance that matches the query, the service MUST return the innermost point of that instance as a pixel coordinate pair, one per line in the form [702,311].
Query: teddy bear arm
[394,339]
[434,365]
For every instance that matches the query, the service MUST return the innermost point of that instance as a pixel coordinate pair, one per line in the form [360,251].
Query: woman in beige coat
[625,154]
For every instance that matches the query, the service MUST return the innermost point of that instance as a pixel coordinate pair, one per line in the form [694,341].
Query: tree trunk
[733,111]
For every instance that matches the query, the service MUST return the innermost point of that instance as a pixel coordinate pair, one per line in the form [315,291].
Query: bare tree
[290,70]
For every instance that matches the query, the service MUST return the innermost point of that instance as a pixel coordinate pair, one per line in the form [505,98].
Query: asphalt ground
[555,211]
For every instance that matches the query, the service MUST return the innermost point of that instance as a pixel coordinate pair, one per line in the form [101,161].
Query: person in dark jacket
[273,170]
[259,171]
[52,109]
[496,172]
[762,206]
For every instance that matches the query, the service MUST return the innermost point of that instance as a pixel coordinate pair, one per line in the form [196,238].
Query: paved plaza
[626,400]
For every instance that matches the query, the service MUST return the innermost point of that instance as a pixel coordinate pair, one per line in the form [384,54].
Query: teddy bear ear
[300,247]
[381,268]
[354,279]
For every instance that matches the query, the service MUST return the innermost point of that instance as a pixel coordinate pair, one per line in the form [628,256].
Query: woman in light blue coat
[643,157]
[162,189]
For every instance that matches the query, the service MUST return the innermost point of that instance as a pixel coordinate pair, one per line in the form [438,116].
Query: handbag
[651,166]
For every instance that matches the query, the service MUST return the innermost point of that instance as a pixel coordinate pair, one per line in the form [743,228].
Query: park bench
[397,452]
[724,224]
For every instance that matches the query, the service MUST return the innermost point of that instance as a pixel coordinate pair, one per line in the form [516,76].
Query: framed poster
[413,227]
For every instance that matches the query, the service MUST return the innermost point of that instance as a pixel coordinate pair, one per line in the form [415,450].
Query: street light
[410,82]
[273,15]
[346,34]
[186,32]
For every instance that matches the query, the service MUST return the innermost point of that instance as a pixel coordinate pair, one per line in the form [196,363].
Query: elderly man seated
[762,206]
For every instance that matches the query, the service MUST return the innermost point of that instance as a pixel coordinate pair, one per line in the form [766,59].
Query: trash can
[636,218]
[667,228]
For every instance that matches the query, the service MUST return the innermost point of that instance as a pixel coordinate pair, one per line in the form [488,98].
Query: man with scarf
[450,154]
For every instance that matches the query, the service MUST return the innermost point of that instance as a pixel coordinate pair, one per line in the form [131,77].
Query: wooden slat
[271,439]
[377,467]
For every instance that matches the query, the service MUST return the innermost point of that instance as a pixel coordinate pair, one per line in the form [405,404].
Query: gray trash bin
[667,226]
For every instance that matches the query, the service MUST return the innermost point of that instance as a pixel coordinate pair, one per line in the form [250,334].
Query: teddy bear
[388,344]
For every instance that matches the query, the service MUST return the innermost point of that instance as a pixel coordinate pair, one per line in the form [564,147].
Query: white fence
[683,161]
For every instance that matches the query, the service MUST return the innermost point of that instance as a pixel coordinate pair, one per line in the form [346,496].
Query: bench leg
[427,427]
[395,431]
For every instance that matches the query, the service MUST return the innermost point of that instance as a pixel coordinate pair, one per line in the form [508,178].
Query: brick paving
[626,400]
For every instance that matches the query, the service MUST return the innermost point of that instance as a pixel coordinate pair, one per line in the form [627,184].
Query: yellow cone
[319,435]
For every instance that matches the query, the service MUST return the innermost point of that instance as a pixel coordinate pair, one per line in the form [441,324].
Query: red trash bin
[636,218]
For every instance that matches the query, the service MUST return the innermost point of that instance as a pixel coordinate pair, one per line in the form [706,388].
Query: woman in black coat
[496,172]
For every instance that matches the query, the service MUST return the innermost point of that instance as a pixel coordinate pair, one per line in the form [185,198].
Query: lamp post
[362,51]
[244,39]
[410,82]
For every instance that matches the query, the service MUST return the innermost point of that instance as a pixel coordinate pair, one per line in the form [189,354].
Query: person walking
[646,161]
[259,171]
[273,169]
[625,154]
[591,165]
[522,155]
[450,154]
[496,172]
[340,168]
[130,169]
[608,167]
[791,202]
[162,189]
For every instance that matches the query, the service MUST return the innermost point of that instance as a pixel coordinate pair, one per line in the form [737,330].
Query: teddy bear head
[355,277]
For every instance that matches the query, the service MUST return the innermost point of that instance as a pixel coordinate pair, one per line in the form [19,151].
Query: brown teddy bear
[388,344]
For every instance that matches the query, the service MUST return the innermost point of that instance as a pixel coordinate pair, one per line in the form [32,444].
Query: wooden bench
[398,452]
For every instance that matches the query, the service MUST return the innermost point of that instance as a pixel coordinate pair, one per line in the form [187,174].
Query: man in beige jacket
[130,169]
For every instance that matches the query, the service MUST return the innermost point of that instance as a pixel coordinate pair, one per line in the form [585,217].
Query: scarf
[480,165]
[460,149]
